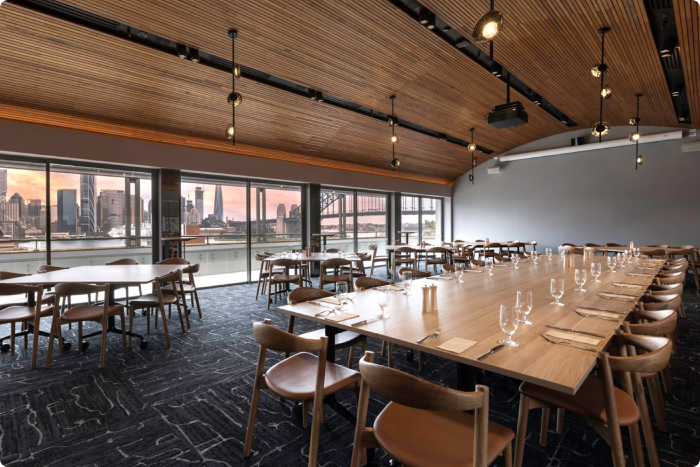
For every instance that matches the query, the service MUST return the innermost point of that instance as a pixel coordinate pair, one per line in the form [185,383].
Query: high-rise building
[281,214]
[67,202]
[183,204]
[88,218]
[150,210]
[193,216]
[189,206]
[199,200]
[9,211]
[33,207]
[218,204]
[3,184]
[111,209]
[17,199]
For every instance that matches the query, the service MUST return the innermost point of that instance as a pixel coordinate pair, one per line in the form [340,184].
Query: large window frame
[420,213]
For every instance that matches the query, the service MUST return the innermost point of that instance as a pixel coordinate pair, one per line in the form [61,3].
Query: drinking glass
[459,270]
[342,293]
[562,252]
[637,252]
[549,253]
[534,256]
[488,263]
[595,271]
[557,289]
[383,301]
[524,305]
[580,279]
[508,319]
[612,262]
[407,282]
[619,259]
[516,260]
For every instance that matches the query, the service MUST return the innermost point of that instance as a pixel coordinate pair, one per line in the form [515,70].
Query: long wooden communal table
[470,310]
[122,275]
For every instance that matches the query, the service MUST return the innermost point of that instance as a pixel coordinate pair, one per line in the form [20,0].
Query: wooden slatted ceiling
[687,14]
[552,46]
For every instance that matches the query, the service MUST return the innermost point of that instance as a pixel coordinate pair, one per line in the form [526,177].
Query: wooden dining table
[317,258]
[115,275]
[470,310]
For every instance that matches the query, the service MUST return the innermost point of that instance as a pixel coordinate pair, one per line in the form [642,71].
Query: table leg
[111,325]
[330,400]
[465,377]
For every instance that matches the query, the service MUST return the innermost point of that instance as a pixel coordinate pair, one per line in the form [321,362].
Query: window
[409,220]
[337,208]
[431,220]
[423,217]
[371,221]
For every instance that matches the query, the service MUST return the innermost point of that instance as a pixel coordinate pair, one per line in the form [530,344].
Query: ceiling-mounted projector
[507,115]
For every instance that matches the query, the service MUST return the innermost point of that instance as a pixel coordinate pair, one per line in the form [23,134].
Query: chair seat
[588,401]
[187,288]
[285,278]
[18,313]
[327,278]
[404,260]
[295,377]
[152,300]
[421,438]
[89,312]
[343,339]
[436,260]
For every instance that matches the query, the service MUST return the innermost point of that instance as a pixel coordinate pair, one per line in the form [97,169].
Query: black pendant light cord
[472,161]
[233,85]
[602,80]
[636,149]
[393,145]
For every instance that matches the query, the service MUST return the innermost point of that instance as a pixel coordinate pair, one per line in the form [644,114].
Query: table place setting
[599,315]
[617,296]
[586,309]
[443,277]
[572,337]
[629,285]
[639,274]
[585,333]
[341,317]
[457,345]
[568,344]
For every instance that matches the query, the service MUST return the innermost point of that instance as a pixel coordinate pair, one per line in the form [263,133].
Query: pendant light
[488,26]
[472,148]
[602,128]
[394,137]
[638,159]
[235,98]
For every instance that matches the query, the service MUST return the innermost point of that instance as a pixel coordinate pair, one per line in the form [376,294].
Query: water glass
[459,270]
[619,260]
[383,301]
[524,305]
[549,253]
[595,271]
[508,320]
[342,293]
[557,289]
[637,252]
[534,256]
[407,279]
[488,263]
[580,279]
[516,260]
[612,262]
[562,252]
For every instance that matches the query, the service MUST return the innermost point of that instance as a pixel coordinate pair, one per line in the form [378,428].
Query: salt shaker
[433,299]
[426,298]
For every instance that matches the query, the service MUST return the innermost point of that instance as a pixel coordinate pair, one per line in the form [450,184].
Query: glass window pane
[215,212]
[337,218]
[371,221]
[409,219]
[431,213]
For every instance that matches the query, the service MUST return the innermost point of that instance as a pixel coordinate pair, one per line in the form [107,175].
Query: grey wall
[588,197]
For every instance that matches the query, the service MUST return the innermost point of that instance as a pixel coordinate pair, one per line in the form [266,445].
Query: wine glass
[342,293]
[508,320]
[407,282]
[534,256]
[619,260]
[637,252]
[580,279]
[595,271]
[562,252]
[557,289]
[488,263]
[516,260]
[459,270]
[612,262]
[383,301]
[524,305]
[549,253]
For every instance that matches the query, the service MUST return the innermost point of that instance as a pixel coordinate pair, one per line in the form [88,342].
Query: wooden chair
[188,287]
[448,268]
[342,340]
[80,313]
[174,261]
[660,245]
[596,249]
[514,244]
[424,424]
[335,264]
[303,377]
[417,274]
[603,405]
[656,253]
[28,316]
[687,252]
[285,278]
[434,256]
[358,268]
[498,259]
[533,244]
[404,255]
[660,302]
[46,298]
[265,273]
[475,263]
[158,300]
[43,268]
[464,254]
[666,289]
[378,259]
[369,283]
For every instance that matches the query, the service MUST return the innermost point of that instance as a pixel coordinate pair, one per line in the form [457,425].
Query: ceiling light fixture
[181,51]
[472,148]
[194,55]
[602,128]
[488,26]
[426,18]
[636,136]
[394,138]
[234,99]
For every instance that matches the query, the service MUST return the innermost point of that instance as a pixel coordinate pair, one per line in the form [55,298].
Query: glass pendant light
[635,137]
[488,26]
[230,131]
[472,148]
[601,128]
[606,92]
[394,137]
[234,98]
[640,159]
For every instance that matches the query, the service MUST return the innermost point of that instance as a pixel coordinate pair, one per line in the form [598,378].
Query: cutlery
[368,320]
[630,285]
[321,305]
[618,296]
[434,334]
[599,317]
[573,330]
[603,309]
[639,274]
[567,343]
[494,350]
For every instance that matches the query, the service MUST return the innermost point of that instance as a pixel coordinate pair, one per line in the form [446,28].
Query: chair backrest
[332,250]
[671,278]
[571,244]
[448,267]
[663,289]
[475,263]
[259,257]
[174,261]
[660,245]
[593,245]
[657,252]
[275,339]
[405,249]
[335,262]
[368,283]
[614,244]
[190,270]
[437,249]
[410,391]
[658,353]
[304,294]
[70,289]
[660,302]
[660,323]
[10,275]
[285,262]
[500,259]
[415,273]
[175,276]
[48,268]
[120,262]
[19,289]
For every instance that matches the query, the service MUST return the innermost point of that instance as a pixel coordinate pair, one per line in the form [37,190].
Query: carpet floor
[189,405]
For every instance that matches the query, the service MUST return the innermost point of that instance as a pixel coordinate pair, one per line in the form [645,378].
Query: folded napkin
[631,286]
[341,317]
[605,314]
[441,277]
[501,266]
[573,337]
[638,274]
[394,288]
[456,345]
[473,270]
[618,296]
[331,300]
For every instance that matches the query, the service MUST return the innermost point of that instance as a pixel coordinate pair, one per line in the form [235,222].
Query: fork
[434,334]
[567,343]
[599,317]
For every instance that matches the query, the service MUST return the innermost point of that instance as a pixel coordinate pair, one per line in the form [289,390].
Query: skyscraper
[17,199]
[3,184]
[199,200]
[218,204]
[67,211]
[112,204]
[88,218]
[33,207]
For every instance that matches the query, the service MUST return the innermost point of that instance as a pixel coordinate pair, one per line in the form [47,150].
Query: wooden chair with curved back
[425,424]
[28,316]
[602,405]
[303,377]
[448,268]
[655,253]
[175,260]
[660,245]
[513,247]
[335,265]
[81,313]
[434,256]
[265,272]
[475,263]
[342,340]
[188,287]
[498,259]
[417,274]
[690,253]
[404,255]
[378,259]
[369,283]
[533,244]
[283,278]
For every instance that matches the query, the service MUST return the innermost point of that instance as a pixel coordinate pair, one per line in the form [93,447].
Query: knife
[603,309]
[494,350]
[368,320]
[577,332]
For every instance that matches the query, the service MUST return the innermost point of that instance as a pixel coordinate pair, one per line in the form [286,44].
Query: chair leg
[196,298]
[521,432]
[12,337]
[165,325]
[637,450]
[269,295]
[123,322]
[148,320]
[544,426]
[59,333]
[179,312]
[24,328]
[315,431]
[667,379]
[290,330]
[657,402]
[80,337]
[561,415]
[131,321]
[103,350]
[49,352]
[508,456]
[257,290]
[384,346]
[351,356]
[391,355]
[420,360]
[251,417]
[646,423]
[305,414]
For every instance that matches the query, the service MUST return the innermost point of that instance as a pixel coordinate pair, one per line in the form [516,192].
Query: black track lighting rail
[144,38]
[415,10]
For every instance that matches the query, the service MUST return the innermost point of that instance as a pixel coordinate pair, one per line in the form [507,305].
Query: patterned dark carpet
[189,405]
